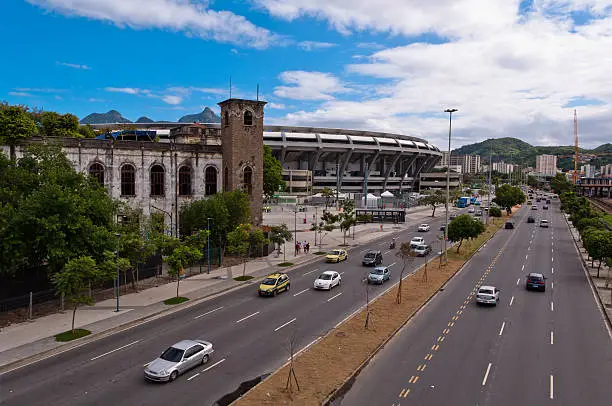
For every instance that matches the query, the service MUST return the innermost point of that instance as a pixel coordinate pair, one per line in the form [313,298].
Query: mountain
[144,120]
[513,150]
[111,116]
[206,116]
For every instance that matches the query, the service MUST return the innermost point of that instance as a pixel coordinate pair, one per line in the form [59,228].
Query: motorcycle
[392,245]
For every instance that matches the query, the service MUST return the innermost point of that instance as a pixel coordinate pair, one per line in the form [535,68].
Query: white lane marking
[213,365]
[115,350]
[525,257]
[552,387]
[341,273]
[518,281]
[286,324]
[193,376]
[552,306]
[552,250]
[302,291]
[484,381]
[511,300]
[247,317]
[305,348]
[309,272]
[552,338]
[367,249]
[333,297]
[209,312]
[386,252]
[501,330]
[552,270]
[552,285]
[552,259]
[392,265]
[523,268]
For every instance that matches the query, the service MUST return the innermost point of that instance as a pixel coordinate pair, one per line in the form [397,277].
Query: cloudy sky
[511,68]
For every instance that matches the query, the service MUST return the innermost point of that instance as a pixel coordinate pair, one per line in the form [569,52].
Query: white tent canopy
[386,193]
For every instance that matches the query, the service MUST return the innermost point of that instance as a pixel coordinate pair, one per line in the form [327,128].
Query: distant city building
[606,171]
[546,164]
[503,167]
[468,163]
[453,168]
[437,181]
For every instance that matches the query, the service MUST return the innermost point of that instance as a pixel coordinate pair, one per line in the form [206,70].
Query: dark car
[535,281]
[509,225]
[372,258]
[530,219]
[442,227]
[452,216]
[544,207]
[547,201]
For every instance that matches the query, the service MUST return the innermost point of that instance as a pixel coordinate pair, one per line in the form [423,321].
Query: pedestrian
[308,247]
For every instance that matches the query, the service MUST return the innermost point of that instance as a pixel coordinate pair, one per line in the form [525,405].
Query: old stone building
[197,162]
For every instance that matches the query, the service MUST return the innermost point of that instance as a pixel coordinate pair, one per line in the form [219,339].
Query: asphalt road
[534,348]
[251,337]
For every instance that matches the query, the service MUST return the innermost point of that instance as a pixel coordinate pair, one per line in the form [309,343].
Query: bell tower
[242,145]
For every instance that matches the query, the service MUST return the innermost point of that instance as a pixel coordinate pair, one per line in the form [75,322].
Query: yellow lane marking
[412,379]
[402,393]
[405,394]
[446,331]
[436,347]
[428,357]
[433,347]
[440,338]
[416,378]
[452,324]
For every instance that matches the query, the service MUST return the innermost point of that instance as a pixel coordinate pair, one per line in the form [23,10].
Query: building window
[157,180]
[248,180]
[226,119]
[96,171]
[210,181]
[248,118]
[128,180]
[185,181]
[226,180]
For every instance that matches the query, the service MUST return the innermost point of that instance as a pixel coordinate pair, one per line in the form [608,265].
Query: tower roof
[241,101]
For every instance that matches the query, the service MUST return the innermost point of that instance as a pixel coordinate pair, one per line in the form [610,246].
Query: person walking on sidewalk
[307,247]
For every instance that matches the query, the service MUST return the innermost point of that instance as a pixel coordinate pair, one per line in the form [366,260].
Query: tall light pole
[208,243]
[450,125]
[295,228]
[489,183]
[117,260]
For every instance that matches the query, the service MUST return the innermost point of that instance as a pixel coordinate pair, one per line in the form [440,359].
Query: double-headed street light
[450,122]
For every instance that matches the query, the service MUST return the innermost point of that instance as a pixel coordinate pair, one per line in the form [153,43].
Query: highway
[250,334]
[534,348]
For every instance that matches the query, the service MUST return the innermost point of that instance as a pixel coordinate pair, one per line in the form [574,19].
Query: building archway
[210,181]
[96,171]
[157,180]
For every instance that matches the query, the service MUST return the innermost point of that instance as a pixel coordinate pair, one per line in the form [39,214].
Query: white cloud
[58,97]
[94,100]
[39,89]
[309,86]
[127,90]
[370,45]
[21,94]
[172,99]
[278,106]
[508,74]
[74,65]
[192,18]
[314,45]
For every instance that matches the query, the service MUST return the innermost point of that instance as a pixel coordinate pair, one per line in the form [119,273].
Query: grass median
[326,365]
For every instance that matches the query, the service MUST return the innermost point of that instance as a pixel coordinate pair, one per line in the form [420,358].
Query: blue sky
[391,66]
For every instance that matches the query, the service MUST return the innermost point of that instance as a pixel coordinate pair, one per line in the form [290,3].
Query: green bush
[243,278]
[69,335]
[175,300]
[495,212]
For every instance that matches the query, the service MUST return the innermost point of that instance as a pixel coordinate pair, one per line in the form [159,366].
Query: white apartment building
[546,164]
[588,170]
[503,167]
[468,163]
[606,171]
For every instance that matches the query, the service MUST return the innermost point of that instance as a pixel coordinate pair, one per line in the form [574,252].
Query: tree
[272,173]
[327,224]
[15,125]
[597,243]
[74,280]
[560,184]
[347,217]
[52,124]
[407,255]
[238,243]
[464,227]
[181,257]
[279,235]
[495,212]
[508,196]
[328,194]
[434,198]
[87,131]
[532,181]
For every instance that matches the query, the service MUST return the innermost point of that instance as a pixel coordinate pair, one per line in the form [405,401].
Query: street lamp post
[208,243]
[295,229]
[450,123]
[117,260]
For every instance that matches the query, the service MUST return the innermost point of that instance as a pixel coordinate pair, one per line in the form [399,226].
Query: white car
[471,210]
[487,295]
[424,227]
[327,280]
[416,241]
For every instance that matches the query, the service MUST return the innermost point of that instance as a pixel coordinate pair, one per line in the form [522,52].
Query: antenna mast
[575,178]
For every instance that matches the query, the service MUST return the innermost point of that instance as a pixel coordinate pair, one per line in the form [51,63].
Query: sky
[511,68]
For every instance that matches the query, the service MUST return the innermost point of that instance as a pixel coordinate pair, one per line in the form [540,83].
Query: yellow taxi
[336,255]
[273,284]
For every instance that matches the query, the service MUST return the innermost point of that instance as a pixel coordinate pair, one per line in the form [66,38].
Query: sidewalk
[603,283]
[24,342]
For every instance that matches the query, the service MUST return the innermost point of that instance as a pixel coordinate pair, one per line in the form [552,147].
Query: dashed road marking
[115,350]
[552,306]
[335,296]
[285,325]
[213,365]
[518,281]
[484,381]
[552,338]
[301,291]
[511,300]
[209,312]
[501,330]
[552,387]
[247,317]
[309,272]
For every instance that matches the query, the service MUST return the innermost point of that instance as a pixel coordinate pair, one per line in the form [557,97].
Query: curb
[594,290]
[346,385]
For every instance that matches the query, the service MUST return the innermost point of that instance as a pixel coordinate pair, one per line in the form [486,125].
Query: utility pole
[489,183]
[208,243]
[295,228]
[365,184]
[117,260]
[450,123]
[337,185]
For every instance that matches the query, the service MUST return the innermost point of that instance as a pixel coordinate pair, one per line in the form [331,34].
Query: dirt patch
[325,366]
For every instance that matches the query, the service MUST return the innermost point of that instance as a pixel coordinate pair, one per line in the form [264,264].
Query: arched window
[185,181]
[96,171]
[210,181]
[248,118]
[248,180]
[226,180]
[157,180]
[226,119]
[128,180]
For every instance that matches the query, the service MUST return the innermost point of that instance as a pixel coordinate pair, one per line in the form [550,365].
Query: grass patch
[68,336]
[286,264]
[326,365]
[175,300]
[320,253]
[243,278]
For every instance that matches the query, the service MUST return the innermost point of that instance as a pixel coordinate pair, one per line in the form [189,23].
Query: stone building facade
[197,162]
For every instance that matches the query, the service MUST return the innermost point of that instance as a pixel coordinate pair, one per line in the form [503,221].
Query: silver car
[177,359]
